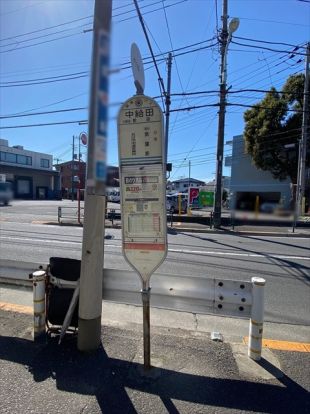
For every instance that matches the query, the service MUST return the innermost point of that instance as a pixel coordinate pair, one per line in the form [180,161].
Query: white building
[182,185]
[248,182]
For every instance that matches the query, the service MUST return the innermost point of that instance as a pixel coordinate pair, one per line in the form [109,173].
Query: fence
[72,214]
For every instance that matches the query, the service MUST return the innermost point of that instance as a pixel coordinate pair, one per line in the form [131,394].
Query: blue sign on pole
[100,169]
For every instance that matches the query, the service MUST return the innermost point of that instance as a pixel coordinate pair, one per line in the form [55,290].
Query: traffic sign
[143,184]
[137,68]
[83,138]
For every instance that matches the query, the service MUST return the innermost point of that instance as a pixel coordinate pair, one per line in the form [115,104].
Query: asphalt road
[284,262]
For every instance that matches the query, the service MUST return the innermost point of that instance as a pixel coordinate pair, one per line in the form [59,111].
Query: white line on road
[183,251]
[275,256]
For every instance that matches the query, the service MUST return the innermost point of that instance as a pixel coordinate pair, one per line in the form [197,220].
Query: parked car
[6,193]
[172,203]
[113,195]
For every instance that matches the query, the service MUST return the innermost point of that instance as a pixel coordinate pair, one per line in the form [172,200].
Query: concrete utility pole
[72,170]
[221,121]
[301,174]
[90,302]
[168,102]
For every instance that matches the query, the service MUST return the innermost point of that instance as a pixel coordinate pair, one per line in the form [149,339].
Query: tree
[272,125]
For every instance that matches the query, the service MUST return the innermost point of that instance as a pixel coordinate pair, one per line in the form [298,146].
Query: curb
[196,230]
[237,232]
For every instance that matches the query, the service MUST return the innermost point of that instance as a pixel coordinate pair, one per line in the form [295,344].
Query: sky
[45,61]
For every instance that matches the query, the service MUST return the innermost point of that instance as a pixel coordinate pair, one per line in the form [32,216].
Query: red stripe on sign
[144,246]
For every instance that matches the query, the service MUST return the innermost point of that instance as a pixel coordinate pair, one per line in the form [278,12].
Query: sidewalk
[190,374]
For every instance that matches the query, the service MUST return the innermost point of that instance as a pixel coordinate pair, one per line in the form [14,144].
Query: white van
[172,202]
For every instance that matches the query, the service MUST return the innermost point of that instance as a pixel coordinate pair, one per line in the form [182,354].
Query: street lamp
[226,36]
[232,27]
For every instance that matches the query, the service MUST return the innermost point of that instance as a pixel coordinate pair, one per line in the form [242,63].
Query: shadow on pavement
[108,378]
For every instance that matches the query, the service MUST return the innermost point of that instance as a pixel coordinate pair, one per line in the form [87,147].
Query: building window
[9,157]
[15,158]
[45,163]
[23,159]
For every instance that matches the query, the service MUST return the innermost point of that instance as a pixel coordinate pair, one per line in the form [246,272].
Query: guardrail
[184,293]
[243,299]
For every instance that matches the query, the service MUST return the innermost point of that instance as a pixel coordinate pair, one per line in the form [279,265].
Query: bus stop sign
[143,184]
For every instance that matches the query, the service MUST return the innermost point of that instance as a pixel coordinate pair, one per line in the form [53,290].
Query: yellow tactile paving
[283,345]
[11,307]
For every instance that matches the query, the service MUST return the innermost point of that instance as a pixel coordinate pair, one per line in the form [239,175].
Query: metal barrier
[243,299]
[70,213]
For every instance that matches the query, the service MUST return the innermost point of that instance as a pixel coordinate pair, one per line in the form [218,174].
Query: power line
[22,8]
[59,25]
[86,73]
[47,78]
[266,48]
[41,43]
[43,124]
[54,112]
[41,36]
[273,21]
[47,28]
[296,47]
[152,11]
[51,104]
[171,44]
[44,82]
[258,106]
[150,47]
[43,113]
[74,34]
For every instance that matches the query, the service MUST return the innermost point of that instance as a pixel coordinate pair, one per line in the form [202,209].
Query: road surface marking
[271,256]
[282,345]
[183,251]
[11,307]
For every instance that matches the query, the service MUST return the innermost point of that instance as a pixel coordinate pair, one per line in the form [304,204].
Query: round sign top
[137,68]
[83,138]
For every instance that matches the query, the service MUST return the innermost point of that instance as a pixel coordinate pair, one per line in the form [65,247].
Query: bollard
[38,280]
[256,207]
[257,319]
[59,214]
